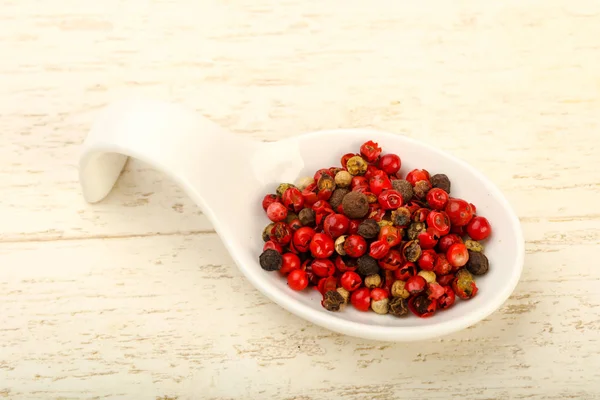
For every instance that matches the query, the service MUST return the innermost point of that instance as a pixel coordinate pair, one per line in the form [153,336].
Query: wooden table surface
[136,297]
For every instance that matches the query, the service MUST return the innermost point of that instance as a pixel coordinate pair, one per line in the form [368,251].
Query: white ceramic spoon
[227,176]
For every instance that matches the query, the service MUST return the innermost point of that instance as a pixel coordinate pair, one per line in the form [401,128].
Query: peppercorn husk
[369,229]
[266,234]
[405,189]
[401,216]
[474,245]
[339,245]
[398,307]
[380,306]
[373,281]
[478,263]
[333,300]
[441,181]
[421,189]
[283,187]
[429,276]
[270,260]
[411,251]
[307,217]
[357,166]
[415,228]
[384,222]
[326,182]
[345,294]
[343,179]
[421,303]
[355,205]
[367,265]
[337,196]
[398,289]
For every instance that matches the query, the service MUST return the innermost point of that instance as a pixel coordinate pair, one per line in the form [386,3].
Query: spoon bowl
[228,175]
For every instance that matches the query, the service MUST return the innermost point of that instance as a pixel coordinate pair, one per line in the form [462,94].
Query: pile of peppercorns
[363,234]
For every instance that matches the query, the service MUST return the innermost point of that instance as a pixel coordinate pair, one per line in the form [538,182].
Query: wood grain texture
[137,298]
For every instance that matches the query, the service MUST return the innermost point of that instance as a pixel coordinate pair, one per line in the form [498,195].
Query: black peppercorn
[415,228]
[337,196]
[355,205]
[266,234]
[270,260]
[367,265]
[478,263]
[307,217]
[441,181]
[398,307]
[333,300]
[421,189]
[411,251]
[405,189]
[401,216]
[369,229]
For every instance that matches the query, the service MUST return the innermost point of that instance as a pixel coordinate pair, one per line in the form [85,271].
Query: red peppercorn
[327,284]
[370,151]
[445,280]
[335,225]
[371,169]
[323,267]
[379,249]
[457,255]
[437,198]
[439,221]
[379,181]
[290,262]
[427,260]
[428,239]
[479,228]
[422,306]
[320,173]
[391,261]
[390,199]
[353,229]
[321,246]
[442,266]
[447,241]
[458,230]
[292,199]
[273,246]
[302,238]
[310,197]
[359,181]
[268,199]
[420,215]
[343,265]
[390,163]
[355,246]
[417,175]
[464,286]
[377,214]
[350,281]
[297,279]
[322,209]
[407,270]
[361,299]
[459,212]
[415,284]
[277,212]
[446,300]
[281,233]
[435,291]
[391,235]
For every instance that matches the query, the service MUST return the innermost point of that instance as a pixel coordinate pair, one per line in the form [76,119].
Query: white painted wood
[137,298]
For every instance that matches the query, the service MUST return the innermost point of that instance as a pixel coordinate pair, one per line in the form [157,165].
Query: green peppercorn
[367,265]
[411,251]
[401,216]
[398,289]
[266,234]
[307,217]
[384,222]
[339,245]
[355,205]
[337,196]
[283,187]
[333,300]
[326,182]
[345,294]
[474,245]
[398,307]
[343,179]
[357,166]
[369,229]
[373,281]
[270,260]
[415,228]
[429,276]
[478,263]
[441,181]
[405,189]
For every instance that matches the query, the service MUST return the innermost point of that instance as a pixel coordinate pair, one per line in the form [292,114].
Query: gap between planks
[108,237]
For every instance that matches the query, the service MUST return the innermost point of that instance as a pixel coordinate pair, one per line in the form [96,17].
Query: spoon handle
[193,151]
